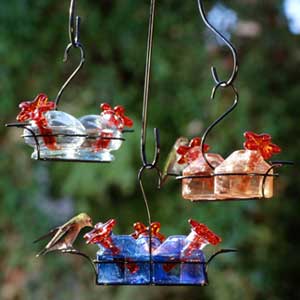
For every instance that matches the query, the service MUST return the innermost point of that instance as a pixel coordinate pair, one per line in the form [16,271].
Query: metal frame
[38,146]
[273,165]
[152,263]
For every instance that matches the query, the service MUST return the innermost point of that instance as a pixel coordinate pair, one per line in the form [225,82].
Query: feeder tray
[201,180]
[152,271]
[67,155]
[227,186]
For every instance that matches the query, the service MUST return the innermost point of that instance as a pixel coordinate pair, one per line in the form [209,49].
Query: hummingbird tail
[43,252]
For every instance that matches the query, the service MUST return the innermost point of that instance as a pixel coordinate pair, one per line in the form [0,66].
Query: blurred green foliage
[36,196]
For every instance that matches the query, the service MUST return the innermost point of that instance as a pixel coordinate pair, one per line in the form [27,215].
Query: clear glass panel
[200,188]
[243,186]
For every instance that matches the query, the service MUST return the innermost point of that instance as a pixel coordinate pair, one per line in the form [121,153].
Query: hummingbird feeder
[244,175]
[58,136]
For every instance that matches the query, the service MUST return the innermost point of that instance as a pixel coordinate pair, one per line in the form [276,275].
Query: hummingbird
[64,236]
[171,166]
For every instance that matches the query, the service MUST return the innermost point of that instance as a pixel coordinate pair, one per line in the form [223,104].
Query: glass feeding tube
[104,133]
[116,255]
[55,134]
[198,181]
[245,173]
[142,237]
[193,266]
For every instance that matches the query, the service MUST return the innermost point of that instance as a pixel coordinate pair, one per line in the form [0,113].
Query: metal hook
[82,61]
[74,29]
[274,164]
[221,251]
[154,162]
[145,161]
[140,179]
[73,251]
[233,75]
[218,120]
[140,175]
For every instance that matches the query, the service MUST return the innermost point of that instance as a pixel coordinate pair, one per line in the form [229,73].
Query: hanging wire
[74,31]
[140,179]
[74,24]
[219,83]
[147,164]
[145,161]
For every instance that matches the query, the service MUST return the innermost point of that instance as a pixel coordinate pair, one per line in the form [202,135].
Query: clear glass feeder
[130,266]
[200,188]
[244,186]
[63,135]
[101,140]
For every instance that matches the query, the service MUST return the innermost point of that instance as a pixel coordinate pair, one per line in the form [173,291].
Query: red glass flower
[187,154]
[101,234]
[141,229]
[202,235]
[34,110]
[261,143]
[116,116]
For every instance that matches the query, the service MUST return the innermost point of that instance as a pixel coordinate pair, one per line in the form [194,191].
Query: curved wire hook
[74,29]
[221,251]
[155,160]
[74,251]
[145,161]
[218,120]
[214,72]
[140,179]
[81,63]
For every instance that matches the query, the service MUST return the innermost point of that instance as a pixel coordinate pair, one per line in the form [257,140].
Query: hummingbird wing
[54,231]
[51,233]
[63,237]
[61,234]
[171,160]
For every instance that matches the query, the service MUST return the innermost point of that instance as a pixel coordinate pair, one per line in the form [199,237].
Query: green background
[36,196]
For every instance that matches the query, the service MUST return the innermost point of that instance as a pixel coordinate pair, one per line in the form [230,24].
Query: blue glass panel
[193,269]
[166,272]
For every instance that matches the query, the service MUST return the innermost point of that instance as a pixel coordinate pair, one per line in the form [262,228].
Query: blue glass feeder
[143,243]
[173,267]
[193,268]
[165,271]
[127,259]
[130,266]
